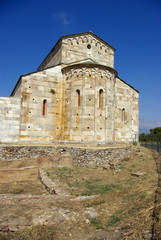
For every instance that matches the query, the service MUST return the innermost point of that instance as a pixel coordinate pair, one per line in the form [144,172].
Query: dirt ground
[102,202]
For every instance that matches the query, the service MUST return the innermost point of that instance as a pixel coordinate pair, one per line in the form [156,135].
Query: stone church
[74,95]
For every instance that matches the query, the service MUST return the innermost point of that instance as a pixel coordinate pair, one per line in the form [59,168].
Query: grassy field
[102,204]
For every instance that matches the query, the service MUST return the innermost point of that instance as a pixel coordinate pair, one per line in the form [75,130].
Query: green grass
[130,181]
[83,186]
[106,188]
[112,220]
[132,196]
[96,223]
[100,189]
[138,150]
[133,166]
[94,203]
[48,174]
[143,195]
[64,172]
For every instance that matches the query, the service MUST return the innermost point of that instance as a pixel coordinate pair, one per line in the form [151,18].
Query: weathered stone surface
[90,213]
[4,228]
[68,155]
[138,174]
[10,119]
[75,95]
[46,181]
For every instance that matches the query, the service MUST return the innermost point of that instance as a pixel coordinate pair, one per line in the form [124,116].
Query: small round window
[89,46]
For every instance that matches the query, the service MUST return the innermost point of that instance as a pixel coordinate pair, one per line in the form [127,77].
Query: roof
[90,64]
[24,75]
[76,35]
[85,64]
[128,84]
[87,33]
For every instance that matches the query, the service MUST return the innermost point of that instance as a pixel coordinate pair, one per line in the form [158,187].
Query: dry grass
[20,182]
[123,202]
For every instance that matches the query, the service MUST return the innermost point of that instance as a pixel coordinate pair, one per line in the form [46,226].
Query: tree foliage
[155,131]
[155,135]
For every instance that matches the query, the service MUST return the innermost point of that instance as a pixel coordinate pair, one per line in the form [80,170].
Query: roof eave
[128,84]
[72,35]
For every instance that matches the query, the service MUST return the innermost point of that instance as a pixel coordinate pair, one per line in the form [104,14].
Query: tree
[156,131]
[155,135]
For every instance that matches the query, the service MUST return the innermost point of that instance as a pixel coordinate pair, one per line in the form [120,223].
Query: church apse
[74,95]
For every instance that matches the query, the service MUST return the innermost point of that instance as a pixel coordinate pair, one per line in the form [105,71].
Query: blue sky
[29,29]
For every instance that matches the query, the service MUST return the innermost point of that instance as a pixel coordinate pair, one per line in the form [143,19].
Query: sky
[29,30]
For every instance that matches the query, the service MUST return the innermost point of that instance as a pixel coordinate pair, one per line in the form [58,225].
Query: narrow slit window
[100,98]
[123,115]
[44,107]
[78,97]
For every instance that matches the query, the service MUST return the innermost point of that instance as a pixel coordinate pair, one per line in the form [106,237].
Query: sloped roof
[128,84]
[88,33]
[76,35]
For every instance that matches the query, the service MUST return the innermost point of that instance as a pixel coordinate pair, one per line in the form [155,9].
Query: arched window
[44,107]
[123,115]
[100,98]
[78,97]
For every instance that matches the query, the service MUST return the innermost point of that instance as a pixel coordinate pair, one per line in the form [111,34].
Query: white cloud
[63,17]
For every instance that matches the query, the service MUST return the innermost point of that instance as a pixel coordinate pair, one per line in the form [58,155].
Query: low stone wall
[46,181]
[49,184]
[79,156]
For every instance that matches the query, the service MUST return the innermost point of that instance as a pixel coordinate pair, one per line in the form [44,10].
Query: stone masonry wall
[10,116]
[88,121]
[81,157]
[126,112]
[53,59]
[45,104]
[75,49]
[36,87]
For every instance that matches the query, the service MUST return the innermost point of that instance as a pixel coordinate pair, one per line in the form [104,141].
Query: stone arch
[108,75]
[87,72]
[103,73]
[89,39]
[78,97]
[98,44]
[85,39]
[101,97]
[69,42]
[123,115]
[93,41]
[80,73]
[103,48]
[75,73]
[80,40]
[99,73]
[74,41]
[44,107]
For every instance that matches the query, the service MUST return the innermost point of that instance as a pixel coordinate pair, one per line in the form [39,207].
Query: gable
[86,36]
[78,47]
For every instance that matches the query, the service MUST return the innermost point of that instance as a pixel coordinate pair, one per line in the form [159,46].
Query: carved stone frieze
[86,71]
[87,40]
